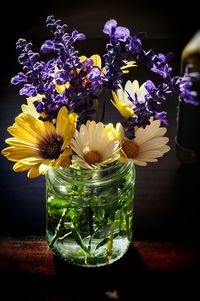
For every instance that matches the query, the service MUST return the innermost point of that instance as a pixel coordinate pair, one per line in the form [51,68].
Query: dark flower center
[92,157]
[50,147]
[130,148]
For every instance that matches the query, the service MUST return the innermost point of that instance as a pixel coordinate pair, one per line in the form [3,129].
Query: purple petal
[28,90]
[47,47]
[110,26]
[149,85]
[78,36]
[122,33]
[162,117]
[19,78]
[94,74]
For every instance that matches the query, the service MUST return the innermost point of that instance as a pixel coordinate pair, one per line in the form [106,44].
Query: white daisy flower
[94,145]
[148,144]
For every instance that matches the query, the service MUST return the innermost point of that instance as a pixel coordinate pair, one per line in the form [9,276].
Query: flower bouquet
[89,165]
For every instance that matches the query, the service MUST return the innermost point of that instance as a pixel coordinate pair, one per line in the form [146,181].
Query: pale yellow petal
[70,127]
[128,64]
[31,160]
[60,88]
[61,119]
[149,155]
[97,60]
[150,131]
[120,92]
[98,136]
[110,149]
[77,150]
[22,134]
[33,126]
[135,86]
[142,92]
[104,143]
[127,95]
[165,148]
[20,143]
[83,137]
[65,125]
[91,126]
[16,153]
[139,163]
[155,143]
[30,108]
[82,58]
[18,167]
[33,172]
[124,110]
[128,88]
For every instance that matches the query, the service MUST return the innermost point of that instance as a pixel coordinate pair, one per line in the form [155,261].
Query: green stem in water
[91,229]
[128,215]
[64,236]
[110,242]
[58,228]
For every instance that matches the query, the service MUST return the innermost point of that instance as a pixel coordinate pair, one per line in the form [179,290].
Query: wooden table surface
[32,272]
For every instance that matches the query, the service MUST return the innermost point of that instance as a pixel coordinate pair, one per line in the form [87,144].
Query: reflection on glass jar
[90,213]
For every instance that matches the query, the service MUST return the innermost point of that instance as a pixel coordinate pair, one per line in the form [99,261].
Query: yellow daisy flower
[29,108]
[121,97]
[115,133]
[96,61]
[61,88]
[148,144]
[96,64]
[36,145]
[94,146]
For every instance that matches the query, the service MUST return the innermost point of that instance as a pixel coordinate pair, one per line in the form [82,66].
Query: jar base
[72,253]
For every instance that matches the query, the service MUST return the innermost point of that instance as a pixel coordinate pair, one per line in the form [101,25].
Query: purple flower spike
[78,36]
[68,81]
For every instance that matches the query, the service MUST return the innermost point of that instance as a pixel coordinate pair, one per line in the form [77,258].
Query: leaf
[58,203]
[79,241]
[103,242]
[121,233]
[72,214]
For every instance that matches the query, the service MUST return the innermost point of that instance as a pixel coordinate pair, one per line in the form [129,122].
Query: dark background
[166,207]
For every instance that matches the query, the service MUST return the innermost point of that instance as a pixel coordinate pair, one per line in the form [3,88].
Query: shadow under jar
[90,213]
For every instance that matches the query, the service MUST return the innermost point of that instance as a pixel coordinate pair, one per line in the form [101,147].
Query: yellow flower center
[92,157]
[130,148]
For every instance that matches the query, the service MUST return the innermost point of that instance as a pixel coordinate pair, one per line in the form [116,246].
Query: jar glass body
[90,213]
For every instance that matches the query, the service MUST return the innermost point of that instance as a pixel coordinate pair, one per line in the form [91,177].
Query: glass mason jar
[90,213]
